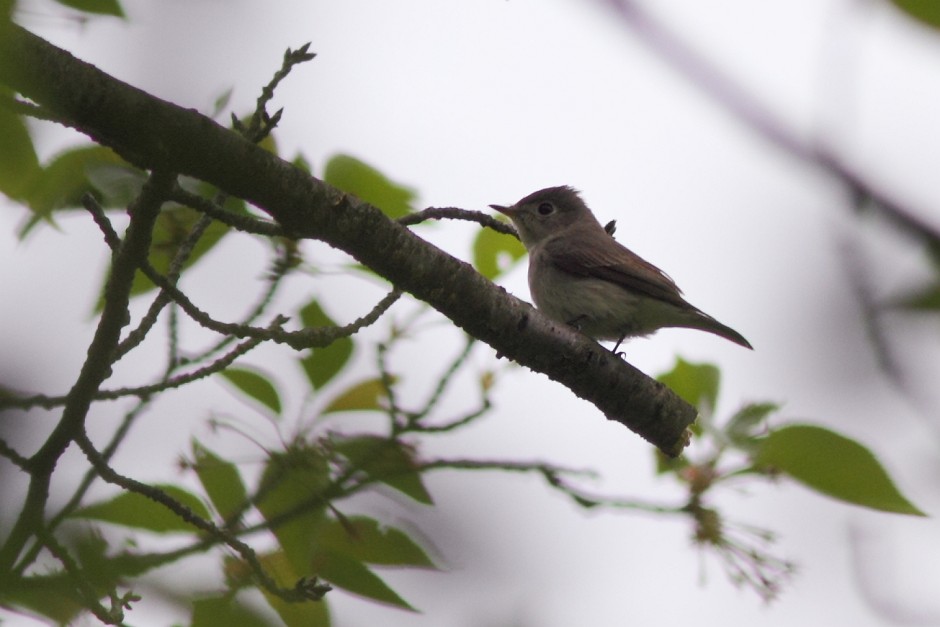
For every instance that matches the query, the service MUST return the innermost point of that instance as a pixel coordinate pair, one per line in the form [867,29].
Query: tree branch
[97,366]
[152,133]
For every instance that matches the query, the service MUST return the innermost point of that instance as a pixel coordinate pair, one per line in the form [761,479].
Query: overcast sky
[483,102]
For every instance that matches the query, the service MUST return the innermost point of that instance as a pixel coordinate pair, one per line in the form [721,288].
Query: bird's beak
[503,210]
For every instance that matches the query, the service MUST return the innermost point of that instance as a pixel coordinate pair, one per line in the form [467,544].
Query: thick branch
[153,134]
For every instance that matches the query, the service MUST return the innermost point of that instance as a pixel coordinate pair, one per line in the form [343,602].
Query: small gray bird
[581,276]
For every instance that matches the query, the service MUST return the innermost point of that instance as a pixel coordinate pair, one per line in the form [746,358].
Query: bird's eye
[546,208]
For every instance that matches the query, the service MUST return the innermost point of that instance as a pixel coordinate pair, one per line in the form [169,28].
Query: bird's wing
[612,262]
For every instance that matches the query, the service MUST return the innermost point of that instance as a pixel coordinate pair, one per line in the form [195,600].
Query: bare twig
[188,516]
[214,210]
[453,213]
[261,123]
[97,366]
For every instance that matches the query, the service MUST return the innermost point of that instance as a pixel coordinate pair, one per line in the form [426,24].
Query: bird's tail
[704,322]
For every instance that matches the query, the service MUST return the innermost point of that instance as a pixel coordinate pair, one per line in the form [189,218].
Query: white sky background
[483,102]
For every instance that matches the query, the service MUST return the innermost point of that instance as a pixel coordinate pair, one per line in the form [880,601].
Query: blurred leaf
[221,481]
[224,611]
[19,165]
[172,228]
[255,385]
[309,614]
[743,427]
[365,182]
[494,253]
[927,11]
[52,596]
[834,465]
[312,315]
[696,384]
[66,179]
[366,540]
[221,102]
[361,396]
[101,7]
[352,575]
[269,143]
[322,364]
[208,190]
[300,161]
[388,461]
[665,464]
[292,483]
[102,570]
[131,509]
[118,183]
[926,300]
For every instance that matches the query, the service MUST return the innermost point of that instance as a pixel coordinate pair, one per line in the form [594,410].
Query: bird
[581,276]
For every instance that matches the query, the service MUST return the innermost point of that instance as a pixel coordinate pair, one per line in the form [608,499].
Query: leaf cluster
[751,444]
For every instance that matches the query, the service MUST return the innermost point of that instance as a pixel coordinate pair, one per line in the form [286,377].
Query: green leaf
[131,509]
[224,611]
[172,228]
[322,364]
[221,102]
[312,315]
[666,464]
[19,165]
[366,540]
[696,384]
[743,427]
[53,593]
[101,7]
[309,614]
[834,465]
[256,385]
[352,575]
[64,181]
[361,396]
[494,253]
[300,161]
[365,182]
[221,481]
[388,461]
[292,485]
[52,596]
[927,11]
[118,184]
[925,300]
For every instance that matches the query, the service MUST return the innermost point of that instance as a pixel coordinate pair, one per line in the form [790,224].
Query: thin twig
[261,123]
[453,213]
[306,338]
[278,272]
[10,453]
[95,369]
[82,586]
[241,222]
[188,516]
[445,379]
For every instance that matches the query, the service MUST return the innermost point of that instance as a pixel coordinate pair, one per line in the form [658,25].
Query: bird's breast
[599,308]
